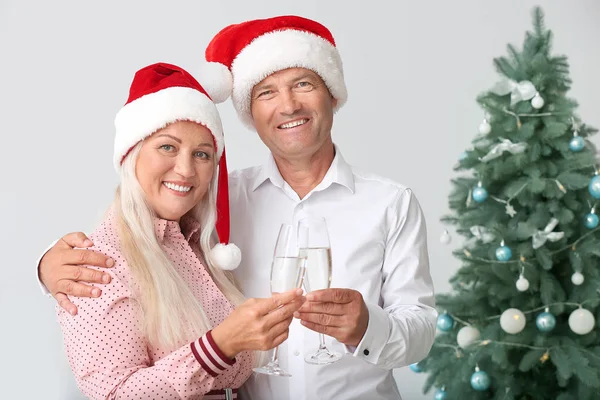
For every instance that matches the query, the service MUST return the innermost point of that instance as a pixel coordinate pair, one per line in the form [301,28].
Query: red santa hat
[246,53]
[161,94]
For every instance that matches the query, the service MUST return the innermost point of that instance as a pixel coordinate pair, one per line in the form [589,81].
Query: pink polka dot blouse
[112,360]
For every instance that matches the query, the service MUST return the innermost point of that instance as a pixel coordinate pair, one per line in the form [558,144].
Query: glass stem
[274,357]
[322,339]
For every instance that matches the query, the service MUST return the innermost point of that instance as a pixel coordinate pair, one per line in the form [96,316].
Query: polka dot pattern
[107,353]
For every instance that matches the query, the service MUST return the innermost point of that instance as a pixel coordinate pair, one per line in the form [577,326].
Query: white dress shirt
[379,247]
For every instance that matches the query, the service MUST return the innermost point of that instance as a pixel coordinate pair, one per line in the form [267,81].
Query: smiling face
[292,111]
[175,167]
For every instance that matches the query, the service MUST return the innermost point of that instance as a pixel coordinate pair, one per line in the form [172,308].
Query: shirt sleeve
[43,287]
[401,331]
[110,358]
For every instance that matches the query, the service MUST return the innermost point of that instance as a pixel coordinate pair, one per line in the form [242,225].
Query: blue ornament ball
[440,394]
[545,322]
[594,186]
[480,381]
[577,143]
[591,221]
[503,253]
[415,368]
[445,322]
[480,194]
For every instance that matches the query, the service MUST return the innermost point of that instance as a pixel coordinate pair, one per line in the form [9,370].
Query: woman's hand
[258,324]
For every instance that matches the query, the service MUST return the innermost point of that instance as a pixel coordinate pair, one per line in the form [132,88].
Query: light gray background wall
[413,71]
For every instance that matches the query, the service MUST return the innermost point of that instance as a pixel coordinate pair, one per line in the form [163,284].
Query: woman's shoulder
[106,232]
[106,240]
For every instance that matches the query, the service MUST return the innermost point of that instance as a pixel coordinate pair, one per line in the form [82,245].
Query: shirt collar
[188,226]
[268,171]
[339,172]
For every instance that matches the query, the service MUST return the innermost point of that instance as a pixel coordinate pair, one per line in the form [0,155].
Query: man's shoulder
[372,180]
[393,195]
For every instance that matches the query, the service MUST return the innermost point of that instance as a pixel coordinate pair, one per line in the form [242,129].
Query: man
[287,84]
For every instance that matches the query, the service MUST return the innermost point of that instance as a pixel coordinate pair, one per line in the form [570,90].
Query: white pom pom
[226,256]
[217,80]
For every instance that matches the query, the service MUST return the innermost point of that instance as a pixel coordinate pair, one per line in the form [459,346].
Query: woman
[171,324]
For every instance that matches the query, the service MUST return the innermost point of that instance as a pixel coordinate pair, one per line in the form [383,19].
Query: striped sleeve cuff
[210,357]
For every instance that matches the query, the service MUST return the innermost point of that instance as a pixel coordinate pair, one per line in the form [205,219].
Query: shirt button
[366,352]
[300,206]
[296,353]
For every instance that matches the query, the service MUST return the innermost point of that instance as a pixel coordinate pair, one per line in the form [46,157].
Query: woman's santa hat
[161,94]
[242,55]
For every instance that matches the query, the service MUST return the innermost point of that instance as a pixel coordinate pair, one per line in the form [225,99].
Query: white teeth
[293,124]
[178,188]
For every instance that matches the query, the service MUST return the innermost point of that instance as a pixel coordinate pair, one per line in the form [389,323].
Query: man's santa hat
[244,54]
[161,94]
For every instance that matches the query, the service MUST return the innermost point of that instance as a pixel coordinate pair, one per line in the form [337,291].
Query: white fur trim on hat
[144,116]
[216,80]
[278,50]
[226,256]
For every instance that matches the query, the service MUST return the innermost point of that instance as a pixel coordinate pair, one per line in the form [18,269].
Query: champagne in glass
[287,273]
[318,268]
[313,232]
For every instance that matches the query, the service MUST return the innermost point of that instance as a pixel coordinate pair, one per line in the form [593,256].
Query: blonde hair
[170,313]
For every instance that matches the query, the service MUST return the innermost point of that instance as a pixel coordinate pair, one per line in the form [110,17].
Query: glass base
[272,368]
[322,357]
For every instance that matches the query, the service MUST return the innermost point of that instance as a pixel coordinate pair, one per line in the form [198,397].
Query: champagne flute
[287,273]
[318,275]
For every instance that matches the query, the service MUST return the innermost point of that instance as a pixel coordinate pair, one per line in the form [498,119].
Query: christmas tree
[520,322]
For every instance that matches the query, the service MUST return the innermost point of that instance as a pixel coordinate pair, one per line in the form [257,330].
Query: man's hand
[339,313]
[60,270]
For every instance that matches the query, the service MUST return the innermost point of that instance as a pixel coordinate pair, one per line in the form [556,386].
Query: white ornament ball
[522,284]
[467,335]
[577,278]
[445,238]
[485,127]
[537,102]
[512,321]
[581,321]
